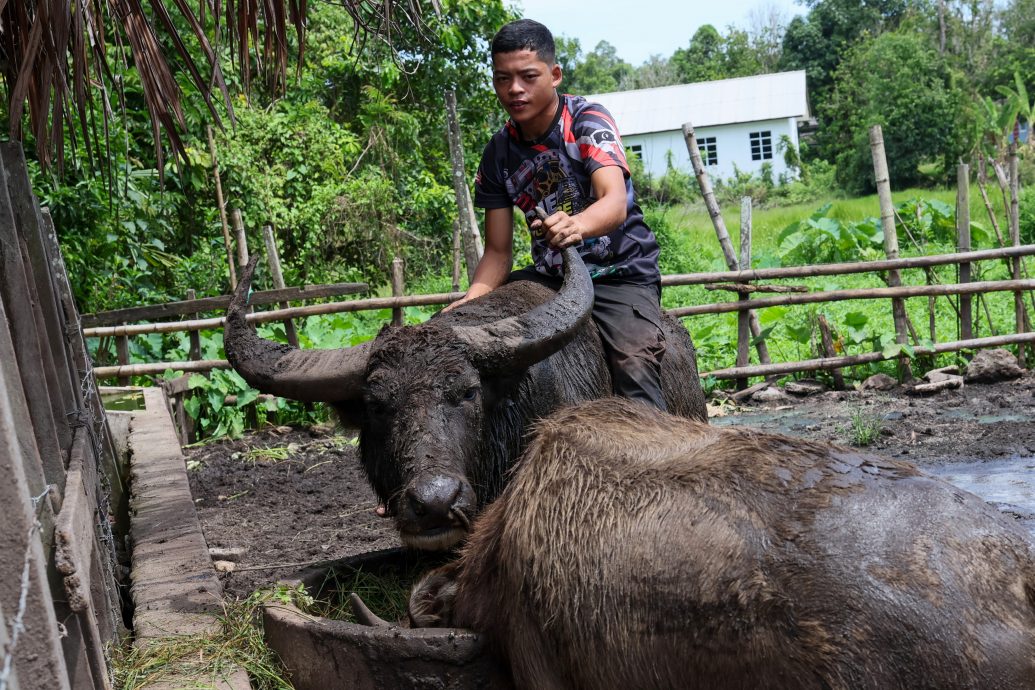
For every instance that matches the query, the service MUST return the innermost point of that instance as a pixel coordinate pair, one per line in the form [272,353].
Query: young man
[564,154]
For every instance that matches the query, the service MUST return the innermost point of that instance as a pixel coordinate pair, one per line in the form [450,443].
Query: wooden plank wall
[60,483]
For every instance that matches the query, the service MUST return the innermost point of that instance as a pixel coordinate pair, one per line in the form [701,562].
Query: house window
[761,145]
[636,150]
[709,150]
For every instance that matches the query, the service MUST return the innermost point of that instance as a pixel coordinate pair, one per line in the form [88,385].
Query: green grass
[385,593]
[863,427]
[715,335]
[768,223]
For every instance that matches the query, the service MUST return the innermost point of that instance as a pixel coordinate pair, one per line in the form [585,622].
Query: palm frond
[54,54]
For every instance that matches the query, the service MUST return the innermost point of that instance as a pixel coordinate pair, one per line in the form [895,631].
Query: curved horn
[518,342]
[272,367]
[364,615]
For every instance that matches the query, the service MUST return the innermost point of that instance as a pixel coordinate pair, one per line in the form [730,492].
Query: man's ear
[556,74]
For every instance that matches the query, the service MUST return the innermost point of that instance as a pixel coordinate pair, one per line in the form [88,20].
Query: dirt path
[290,496]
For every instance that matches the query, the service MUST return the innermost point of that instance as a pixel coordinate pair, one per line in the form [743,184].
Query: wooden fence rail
[447,297]
[60,484]
[741,305]
[816,270]
[193,306]
[866,357]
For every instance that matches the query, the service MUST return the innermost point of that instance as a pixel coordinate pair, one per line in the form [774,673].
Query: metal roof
[708,103]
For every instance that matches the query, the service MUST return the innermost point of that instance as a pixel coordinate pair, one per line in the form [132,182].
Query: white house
[738,122]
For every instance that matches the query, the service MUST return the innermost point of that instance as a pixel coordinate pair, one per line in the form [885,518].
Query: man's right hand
[453,305]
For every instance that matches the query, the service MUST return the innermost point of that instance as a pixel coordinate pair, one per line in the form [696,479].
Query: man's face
[526,87]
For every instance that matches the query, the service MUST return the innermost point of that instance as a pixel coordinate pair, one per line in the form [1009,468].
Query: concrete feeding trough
[321,653]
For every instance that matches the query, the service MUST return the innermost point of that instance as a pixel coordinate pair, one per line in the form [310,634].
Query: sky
[652,27]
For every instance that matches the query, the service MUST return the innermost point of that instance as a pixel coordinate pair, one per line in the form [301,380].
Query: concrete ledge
[174,587]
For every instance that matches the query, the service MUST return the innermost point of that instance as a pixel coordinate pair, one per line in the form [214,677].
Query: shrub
[822,239]
[1027,215]
[674,187]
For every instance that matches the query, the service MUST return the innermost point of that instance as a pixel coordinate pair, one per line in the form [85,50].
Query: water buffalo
[443,407]
[632,549]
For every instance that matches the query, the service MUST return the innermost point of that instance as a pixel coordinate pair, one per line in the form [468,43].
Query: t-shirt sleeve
[598,140]
[489,188]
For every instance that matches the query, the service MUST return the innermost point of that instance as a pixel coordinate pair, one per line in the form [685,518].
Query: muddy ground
[289,496]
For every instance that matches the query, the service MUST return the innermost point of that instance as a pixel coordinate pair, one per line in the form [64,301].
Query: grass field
[860,325]
[694,223]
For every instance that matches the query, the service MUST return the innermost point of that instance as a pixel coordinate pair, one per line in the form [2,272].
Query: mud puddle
[1007,484]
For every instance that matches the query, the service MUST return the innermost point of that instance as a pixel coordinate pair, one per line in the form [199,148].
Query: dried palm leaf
[55,53]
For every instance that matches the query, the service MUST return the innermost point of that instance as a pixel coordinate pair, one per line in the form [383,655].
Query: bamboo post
[222,208]
[743,316]
[988,204]
[187,430]
[242,239]
[720,228]
[828,351]
[398,289]
[1004,187]
[195,336]
[122,356]
[465,208]
[887,217]
[273,257]
[456,255]
[1020,313]
[963,245]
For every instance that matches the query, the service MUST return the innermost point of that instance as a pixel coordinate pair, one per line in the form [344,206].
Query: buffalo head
[426,398]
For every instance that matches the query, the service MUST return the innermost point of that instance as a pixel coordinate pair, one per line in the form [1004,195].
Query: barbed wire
[18,625]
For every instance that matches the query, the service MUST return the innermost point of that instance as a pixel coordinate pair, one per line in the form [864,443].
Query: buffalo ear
[432,598]
[349,413]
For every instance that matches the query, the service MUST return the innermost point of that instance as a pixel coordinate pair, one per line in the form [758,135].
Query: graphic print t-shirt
[554,172]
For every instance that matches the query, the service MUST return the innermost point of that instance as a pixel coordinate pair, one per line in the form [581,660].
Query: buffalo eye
[471,393]
[379,407]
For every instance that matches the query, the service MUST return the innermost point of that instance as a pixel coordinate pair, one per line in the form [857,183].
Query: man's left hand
[562,230]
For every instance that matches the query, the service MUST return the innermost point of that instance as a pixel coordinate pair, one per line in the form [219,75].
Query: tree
[817,42]
[767,25]
[55,71]
[702,60]
[1014,49]
[899,81]
[656,71]
[600,72]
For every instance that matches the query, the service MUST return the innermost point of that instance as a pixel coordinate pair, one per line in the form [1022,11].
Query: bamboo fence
[744,303]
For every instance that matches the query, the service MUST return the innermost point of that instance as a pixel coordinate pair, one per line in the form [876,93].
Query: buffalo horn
[312,375]
[518,342]
[364,615]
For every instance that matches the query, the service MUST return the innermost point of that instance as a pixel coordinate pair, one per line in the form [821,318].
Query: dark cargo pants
[628,318]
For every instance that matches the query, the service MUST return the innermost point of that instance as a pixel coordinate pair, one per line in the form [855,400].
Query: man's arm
[498,259]
[598,219]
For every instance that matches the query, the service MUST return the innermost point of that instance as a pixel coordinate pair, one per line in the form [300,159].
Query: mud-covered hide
[418,430]
[633,549]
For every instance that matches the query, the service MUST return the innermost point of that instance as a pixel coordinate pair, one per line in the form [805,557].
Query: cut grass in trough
[385,592]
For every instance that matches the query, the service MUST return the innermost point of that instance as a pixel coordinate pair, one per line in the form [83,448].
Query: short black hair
[525,34]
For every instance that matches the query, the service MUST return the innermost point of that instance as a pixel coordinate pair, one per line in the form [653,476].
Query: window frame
[761,145]
[709,149]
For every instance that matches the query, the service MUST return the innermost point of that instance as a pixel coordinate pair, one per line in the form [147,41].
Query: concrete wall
[733,146]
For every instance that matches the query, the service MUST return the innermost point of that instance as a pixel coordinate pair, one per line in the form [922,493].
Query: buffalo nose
[435,497]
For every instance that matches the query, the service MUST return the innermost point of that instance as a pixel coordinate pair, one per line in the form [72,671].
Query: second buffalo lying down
[444,407]
[633,549]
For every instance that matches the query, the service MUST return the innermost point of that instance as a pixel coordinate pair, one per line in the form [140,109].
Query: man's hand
[559,229]
[453,305]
